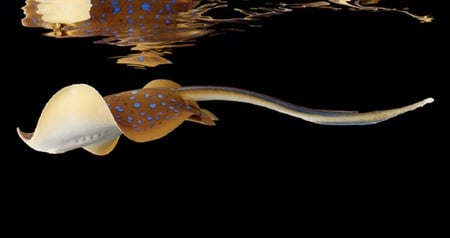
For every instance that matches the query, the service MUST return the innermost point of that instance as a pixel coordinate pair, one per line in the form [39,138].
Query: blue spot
[173,100]
[157,16]
[134,92]
[119,108]
[130,29]
[132,97]
[174,1]
[168,21]
[103,15]
[142,113]
[171,108]
[176,110]
[152,105]
[160,95]
[152,123]
[149,118]
[114,2]
[167,117]
[139,122]
[141,17]
[146,6]
[157,118]
[141,59]
[138,129]
[167,7]
[147,95]
[136,105]
[163,104]
[130,118]
[130,11]
[130,21]
[116,9]
[188,107]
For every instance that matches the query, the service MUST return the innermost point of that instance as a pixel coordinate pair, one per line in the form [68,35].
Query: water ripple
[152,27]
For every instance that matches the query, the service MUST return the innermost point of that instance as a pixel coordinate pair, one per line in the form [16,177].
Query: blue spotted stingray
[77,116]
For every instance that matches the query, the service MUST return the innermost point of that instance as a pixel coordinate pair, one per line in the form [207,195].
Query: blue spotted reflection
[153,27]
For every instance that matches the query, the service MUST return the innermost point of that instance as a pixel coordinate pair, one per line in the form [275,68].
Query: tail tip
[429,100]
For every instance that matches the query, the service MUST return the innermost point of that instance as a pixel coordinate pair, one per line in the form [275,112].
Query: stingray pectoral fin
[102,147]
[75,116]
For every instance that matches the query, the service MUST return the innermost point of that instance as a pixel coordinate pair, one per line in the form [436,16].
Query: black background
[254,161]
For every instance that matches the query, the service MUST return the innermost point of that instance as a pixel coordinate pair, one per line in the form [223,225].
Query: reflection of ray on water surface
[149,25]
[153,27]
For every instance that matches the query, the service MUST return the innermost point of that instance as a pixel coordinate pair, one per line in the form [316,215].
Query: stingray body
[77,116]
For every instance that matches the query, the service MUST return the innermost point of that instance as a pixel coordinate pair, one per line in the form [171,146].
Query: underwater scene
[303,116]
[120,78]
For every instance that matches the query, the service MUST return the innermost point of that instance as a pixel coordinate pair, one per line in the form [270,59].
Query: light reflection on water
[153,27]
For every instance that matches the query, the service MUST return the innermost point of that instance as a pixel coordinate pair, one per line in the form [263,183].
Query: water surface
[151,28]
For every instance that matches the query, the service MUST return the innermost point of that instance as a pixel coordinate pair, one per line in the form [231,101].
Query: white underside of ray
[75,117]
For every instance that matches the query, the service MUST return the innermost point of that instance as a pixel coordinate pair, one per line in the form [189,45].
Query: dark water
[320,57]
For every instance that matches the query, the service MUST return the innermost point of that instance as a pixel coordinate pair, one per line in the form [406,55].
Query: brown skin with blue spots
[122,19]
[151,113]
